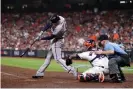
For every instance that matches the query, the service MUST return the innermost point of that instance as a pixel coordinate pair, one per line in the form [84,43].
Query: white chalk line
[12,75]
[16,76]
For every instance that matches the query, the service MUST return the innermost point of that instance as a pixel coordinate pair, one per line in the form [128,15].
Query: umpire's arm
[109,50]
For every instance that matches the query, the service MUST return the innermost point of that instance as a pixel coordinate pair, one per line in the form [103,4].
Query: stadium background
[22,20]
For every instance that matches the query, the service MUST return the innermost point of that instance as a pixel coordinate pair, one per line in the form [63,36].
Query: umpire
[117,58]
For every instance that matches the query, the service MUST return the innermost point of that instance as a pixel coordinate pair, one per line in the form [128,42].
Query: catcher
[99,63]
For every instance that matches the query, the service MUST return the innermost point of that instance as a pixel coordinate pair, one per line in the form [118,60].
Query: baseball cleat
[75,72]
[101,77]
[116,78]
[37,77]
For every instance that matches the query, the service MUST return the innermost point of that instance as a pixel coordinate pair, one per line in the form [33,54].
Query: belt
[103,67]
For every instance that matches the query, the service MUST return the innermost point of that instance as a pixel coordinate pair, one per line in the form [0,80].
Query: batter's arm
[48,25]
[48,37]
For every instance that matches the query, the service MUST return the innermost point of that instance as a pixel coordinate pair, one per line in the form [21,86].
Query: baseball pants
[55,50]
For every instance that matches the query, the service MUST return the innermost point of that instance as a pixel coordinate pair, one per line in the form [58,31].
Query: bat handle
[28,48]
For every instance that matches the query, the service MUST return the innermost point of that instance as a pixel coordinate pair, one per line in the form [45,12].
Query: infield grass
[35,63]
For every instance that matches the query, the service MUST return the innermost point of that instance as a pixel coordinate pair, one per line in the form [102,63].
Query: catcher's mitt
[68,61]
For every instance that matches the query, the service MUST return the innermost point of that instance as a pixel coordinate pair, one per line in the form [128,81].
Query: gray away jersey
[60,30]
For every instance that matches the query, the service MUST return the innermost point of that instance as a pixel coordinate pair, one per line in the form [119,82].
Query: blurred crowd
[19,30]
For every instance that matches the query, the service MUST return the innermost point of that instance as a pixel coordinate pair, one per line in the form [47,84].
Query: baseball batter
[58,29]
[99,64]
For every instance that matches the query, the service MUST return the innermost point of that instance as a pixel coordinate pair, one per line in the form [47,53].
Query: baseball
[81,41]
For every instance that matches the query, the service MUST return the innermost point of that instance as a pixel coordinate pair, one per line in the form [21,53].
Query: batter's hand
[38,38]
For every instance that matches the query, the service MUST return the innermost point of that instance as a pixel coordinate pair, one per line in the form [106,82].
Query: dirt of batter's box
[14,77]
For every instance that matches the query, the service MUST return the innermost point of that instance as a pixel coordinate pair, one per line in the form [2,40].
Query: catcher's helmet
[89,43]
[54,19]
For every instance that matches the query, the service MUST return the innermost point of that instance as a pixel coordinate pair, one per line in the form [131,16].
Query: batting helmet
[54,19]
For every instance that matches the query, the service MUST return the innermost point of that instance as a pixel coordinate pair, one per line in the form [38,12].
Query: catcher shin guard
[91,77]
[101,77]
[95,77]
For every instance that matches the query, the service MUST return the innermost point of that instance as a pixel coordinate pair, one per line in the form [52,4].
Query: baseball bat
[27,49]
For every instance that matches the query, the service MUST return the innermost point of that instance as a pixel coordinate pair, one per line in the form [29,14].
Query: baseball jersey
[60,29]
[98,60]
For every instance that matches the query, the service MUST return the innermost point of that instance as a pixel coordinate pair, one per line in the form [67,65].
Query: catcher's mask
[89,43]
